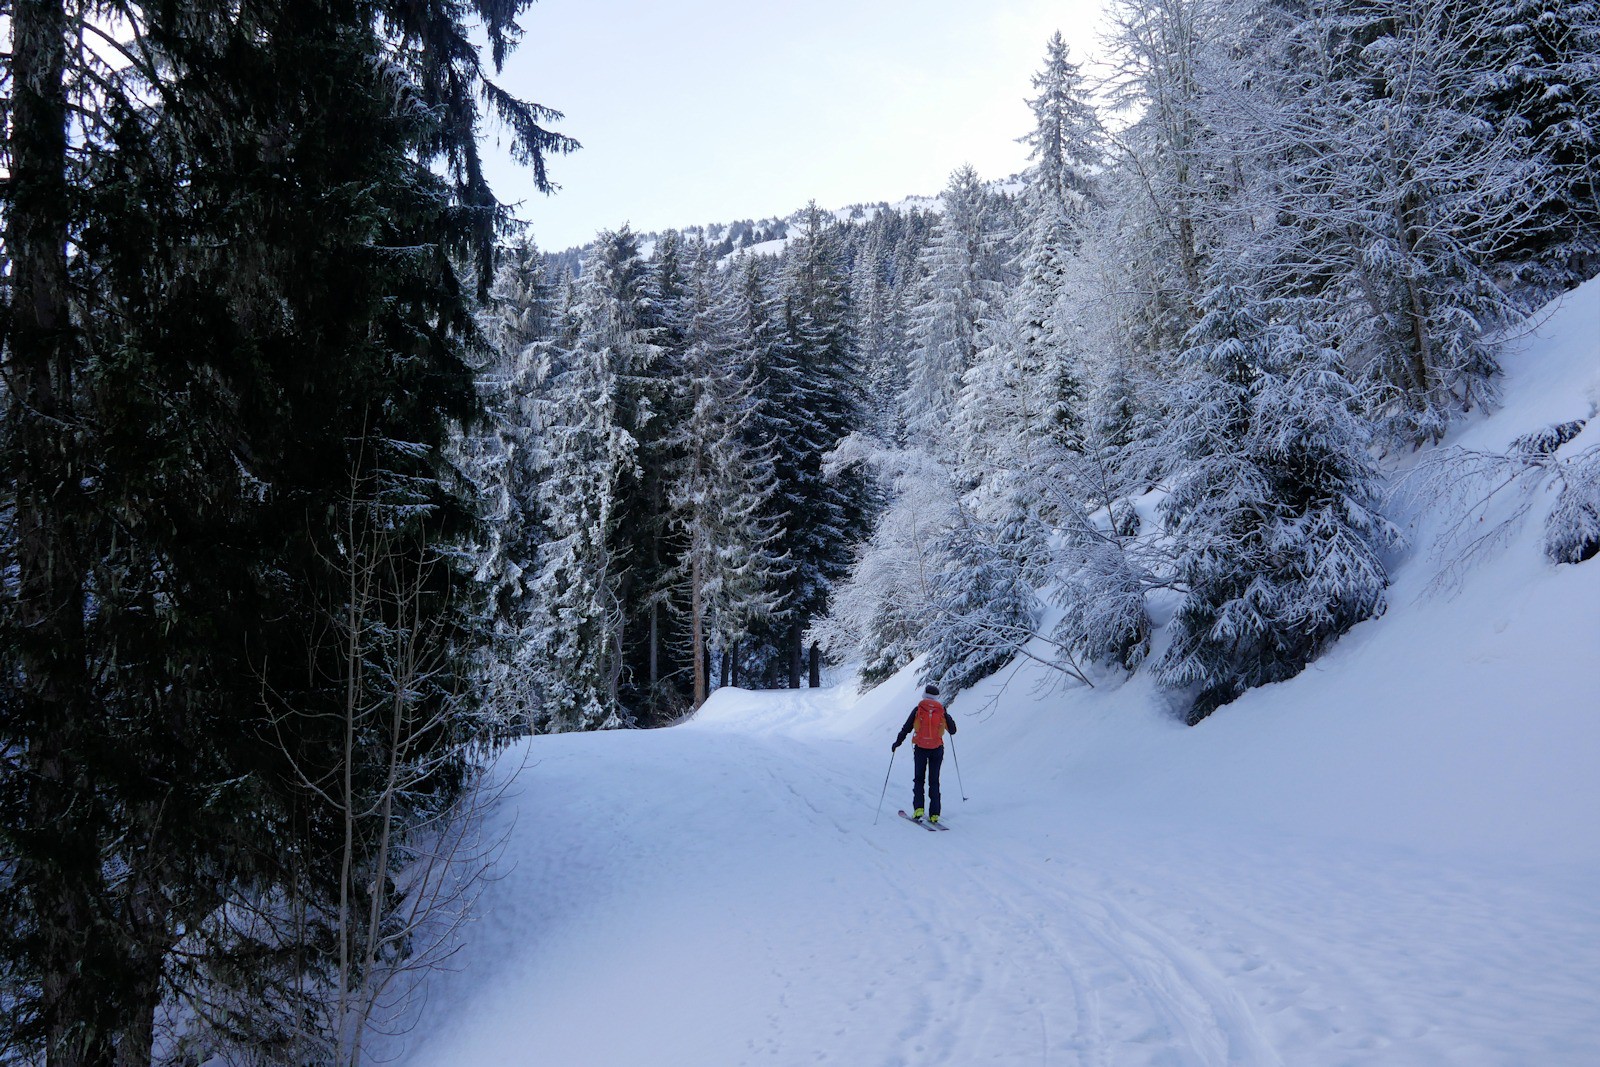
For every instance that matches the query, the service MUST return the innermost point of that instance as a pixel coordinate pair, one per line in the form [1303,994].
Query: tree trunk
[49,551]
[655,647]
[154,926]
[697,630]
[136,1042]
[1419,356]
[614,664]
[816,666]
[654,699]
[794,654]
[727,663]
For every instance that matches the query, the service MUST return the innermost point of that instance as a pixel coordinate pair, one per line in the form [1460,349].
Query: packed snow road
[719,893]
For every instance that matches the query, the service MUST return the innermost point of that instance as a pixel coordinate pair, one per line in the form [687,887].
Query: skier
[930,720]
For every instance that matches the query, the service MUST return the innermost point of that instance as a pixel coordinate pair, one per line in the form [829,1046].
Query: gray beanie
[931,690]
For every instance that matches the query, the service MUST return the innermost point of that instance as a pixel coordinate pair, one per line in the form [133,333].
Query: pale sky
[698,111]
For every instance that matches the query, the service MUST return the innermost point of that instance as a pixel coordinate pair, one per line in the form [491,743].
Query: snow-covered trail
[718,893]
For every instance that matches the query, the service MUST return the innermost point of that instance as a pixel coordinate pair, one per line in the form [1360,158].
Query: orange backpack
[930,724]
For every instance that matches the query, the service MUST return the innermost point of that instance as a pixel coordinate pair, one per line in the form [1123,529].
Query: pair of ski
[924,825]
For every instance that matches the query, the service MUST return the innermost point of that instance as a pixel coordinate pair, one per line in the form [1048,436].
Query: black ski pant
[927,765]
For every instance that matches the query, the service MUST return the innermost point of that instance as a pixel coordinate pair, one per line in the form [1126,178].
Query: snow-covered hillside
[770,236]
[865,213]
[1390,859]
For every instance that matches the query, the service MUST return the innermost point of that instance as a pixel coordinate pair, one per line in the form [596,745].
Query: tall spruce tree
[879,305]
[1023,404]
[1064,142]
[233,335]
[662,630]
[878,616]
[757,323]
[501,461]
[982,604]
[721,482]
[1534,78]
[1273,509]
[597,395]
[812,397]
[961,272]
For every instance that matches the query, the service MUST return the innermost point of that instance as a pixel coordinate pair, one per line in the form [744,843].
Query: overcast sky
[696,111]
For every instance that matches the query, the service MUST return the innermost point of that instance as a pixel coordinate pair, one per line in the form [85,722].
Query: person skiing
[930,720]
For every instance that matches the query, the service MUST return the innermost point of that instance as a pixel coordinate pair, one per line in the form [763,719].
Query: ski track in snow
[715,895]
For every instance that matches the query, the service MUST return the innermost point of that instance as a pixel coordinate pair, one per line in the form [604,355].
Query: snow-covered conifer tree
[502,460]
[961,271]
[1022,402]
[1102,572]
[878,615]
[756,318]
[584,414]
[1011,470]
[1534,76]
[1399,203]
[1115,315]
[1064,142]
[1019,415]
[1273,508]
[981,602]
[1572,529]
[879,305]
[721,483]
[812,399]
[654,652]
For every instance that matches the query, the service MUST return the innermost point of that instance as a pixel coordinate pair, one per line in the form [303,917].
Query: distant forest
[1156,373]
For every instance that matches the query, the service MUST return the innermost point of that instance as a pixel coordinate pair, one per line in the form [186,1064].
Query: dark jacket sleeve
[949,723]
[906,729]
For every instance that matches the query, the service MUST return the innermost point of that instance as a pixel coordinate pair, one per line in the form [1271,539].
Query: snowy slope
[1011,186]
[1390,859]
[789,225]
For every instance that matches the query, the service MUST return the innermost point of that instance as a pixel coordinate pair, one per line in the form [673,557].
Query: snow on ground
[1390,859]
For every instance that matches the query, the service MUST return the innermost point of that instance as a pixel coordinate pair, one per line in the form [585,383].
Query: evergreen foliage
[594,397]
[982,605]
[500,464]
[961,272]
[235,346]
[879,616]
[722,486]
[1572,529]
[1273,511]
[811,393]
[1064,143]
[1534,81]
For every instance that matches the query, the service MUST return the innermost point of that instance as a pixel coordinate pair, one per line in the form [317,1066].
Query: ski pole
[885,792]
[958,767]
